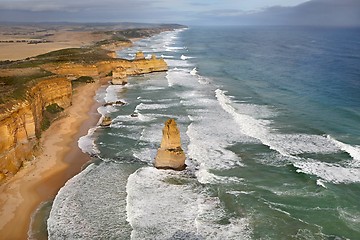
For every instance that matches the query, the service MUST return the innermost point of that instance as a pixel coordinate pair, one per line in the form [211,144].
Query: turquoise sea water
[269,120]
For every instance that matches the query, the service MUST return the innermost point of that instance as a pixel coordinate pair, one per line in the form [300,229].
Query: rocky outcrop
[119,102]
[139,56]
[72,69]
[119,76]
[20,126]
[170,154]
[120,68]
[106,121]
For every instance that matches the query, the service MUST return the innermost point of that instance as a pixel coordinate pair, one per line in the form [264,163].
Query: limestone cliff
[71,69]
[139,56]
[122,68]
[170,154]
[21,125]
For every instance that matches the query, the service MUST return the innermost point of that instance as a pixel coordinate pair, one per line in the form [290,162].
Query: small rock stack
[170,154]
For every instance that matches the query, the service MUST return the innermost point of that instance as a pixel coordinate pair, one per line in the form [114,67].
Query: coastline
[39,180]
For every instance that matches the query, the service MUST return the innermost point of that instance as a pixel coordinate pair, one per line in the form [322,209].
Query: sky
[189,12]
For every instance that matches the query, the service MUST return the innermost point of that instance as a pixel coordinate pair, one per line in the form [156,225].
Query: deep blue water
[269,120]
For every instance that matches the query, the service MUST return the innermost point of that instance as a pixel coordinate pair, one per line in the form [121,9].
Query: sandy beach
[60,158]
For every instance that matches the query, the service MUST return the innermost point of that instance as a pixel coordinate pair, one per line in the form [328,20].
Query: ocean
[270,124]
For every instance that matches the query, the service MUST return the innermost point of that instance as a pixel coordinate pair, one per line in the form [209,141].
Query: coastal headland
[47,103]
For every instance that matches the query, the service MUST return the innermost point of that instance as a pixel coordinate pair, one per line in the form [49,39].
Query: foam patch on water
[204,176]
[153,88]
[193,72]
[112,93]
[146,155]
[178,63]
[86,208]
[353,151]
[351,217]
[87,143]
[184,57]
[178,210]
[291,145]
[133,135]
[152,134]
[329,172]
[210,153]
[172,207]
[174,49]
[181,77]
[166,56]
[144,106]
[285,144]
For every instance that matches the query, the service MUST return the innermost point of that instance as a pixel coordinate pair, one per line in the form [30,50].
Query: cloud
[71,6]
[191,12]
[315,12]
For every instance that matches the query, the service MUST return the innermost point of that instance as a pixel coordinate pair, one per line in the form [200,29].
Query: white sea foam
[211,153]
[174,49]
[351,217]
[154,106]
[146,155]
[181,77]
[178,63]
[152,134]
[329,172]
[193,71]
[112,93]
[183,57]
[87,143]
[286,144]
[320,183]
[105,110]
[176,202]
[353,151]
[166,56]
[186,213]
[291,145]
[86,208]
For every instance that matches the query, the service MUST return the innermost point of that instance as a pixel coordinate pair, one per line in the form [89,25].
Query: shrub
[45,123]
[54,108]
[85,79]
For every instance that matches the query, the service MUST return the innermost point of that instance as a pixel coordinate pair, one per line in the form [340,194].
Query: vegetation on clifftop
[14,87]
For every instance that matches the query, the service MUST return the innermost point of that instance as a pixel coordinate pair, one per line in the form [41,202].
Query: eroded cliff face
[122,68]
[72,69]
[17,131]
[20,126]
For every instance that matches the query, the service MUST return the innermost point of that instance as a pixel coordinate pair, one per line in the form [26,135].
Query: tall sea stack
[170,154]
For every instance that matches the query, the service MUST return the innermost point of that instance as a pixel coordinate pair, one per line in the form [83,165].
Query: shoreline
[39,180]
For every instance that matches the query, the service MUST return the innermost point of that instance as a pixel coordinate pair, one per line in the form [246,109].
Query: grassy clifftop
[17,76]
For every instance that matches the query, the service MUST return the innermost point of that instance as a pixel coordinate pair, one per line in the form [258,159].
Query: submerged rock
[119,102]
[106,121]
[170,154]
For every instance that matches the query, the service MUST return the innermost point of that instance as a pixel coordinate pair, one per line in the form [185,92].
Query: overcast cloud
[240,12]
